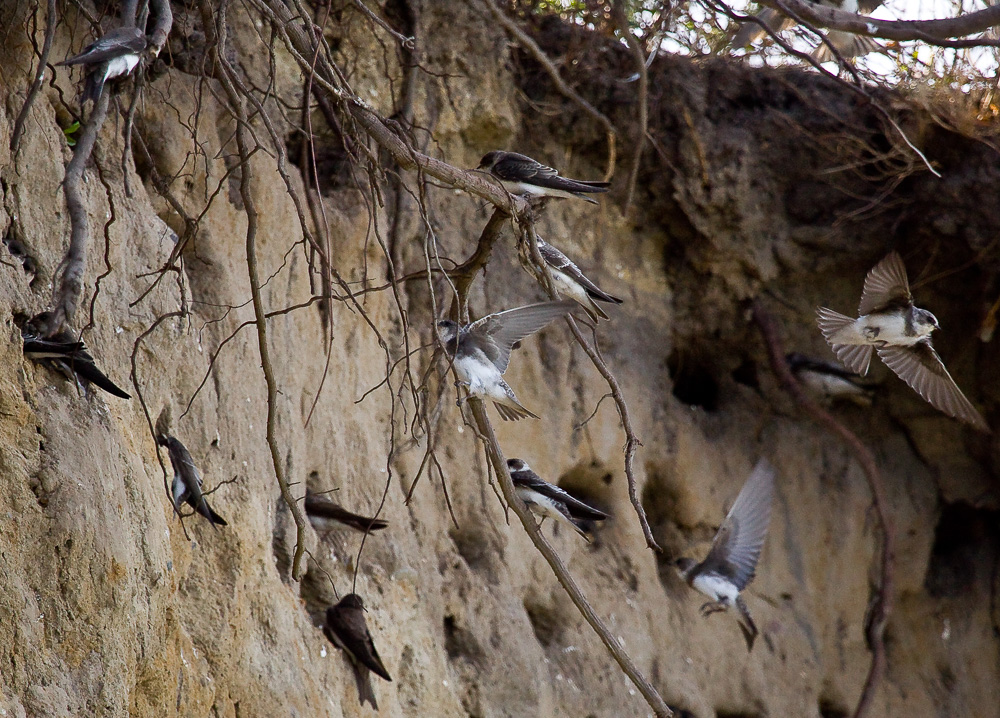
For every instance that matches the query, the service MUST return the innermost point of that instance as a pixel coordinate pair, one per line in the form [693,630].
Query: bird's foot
[707,609]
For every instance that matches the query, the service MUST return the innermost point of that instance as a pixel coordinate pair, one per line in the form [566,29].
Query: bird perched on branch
[519,174]
[847,43]
[547,500]
[186,487]
[347,629]
[889,324]
[732,560]
[567,279]
[320,507]
[481,350]
[113,55]
[63,352]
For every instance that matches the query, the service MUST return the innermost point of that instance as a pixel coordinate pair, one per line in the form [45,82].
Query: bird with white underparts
[549,501]
[480,351]
[519,174]
[889,323]
[732,561]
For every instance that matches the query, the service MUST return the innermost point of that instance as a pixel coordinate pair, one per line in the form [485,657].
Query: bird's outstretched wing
[738,543]
[922,369]
[495,334]
[886,286]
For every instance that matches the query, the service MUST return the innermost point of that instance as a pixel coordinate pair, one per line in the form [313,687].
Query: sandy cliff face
[108,606]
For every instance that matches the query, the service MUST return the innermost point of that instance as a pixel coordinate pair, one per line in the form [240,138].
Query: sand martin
[113,55]
[829,381]
[347,629]
[547,500]
[320,507]
[848,44]
[732,560]
[186,487]
[901,334]
[520,174]
[481,350]
[568,280]
[64,353]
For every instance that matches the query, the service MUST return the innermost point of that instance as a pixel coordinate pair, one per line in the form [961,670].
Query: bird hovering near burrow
[113,55]
[901,334]
[548,500]
[320,507]
[63,352]
[481,350]
[830,382]
[567,279]
[186,486]
[847,43]
[519,174]
[732,560]
[347,629]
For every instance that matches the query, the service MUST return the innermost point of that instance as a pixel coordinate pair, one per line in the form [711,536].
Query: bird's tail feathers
[747,626]
[513,411]
[583,196]
[363,679]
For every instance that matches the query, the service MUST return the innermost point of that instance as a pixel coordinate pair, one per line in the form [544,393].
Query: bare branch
[618,12]
[43,61]
[161,25]
[933,32]
[881,606]
[238,108]
[74,262]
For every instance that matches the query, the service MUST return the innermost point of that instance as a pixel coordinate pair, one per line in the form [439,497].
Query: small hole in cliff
[693,383]
[830,709]
[746,374]
[966,544]
[326,160]
[460,643]
[545,622]
[735,714]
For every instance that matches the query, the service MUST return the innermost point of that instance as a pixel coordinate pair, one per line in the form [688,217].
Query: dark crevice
[694,384]
[460,643]
[966,544]
[546,623]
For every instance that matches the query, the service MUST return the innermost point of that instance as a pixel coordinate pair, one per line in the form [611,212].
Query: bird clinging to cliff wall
[186,486]
[347,629]
[63,352]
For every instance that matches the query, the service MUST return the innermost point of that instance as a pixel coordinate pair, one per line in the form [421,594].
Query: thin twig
[238,109]
[532,48]
[43,61]
[881,604]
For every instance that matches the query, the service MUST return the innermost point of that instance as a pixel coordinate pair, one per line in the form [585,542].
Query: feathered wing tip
[586,197]
[213,518]
[747,627]
[513,412]
[848,45]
